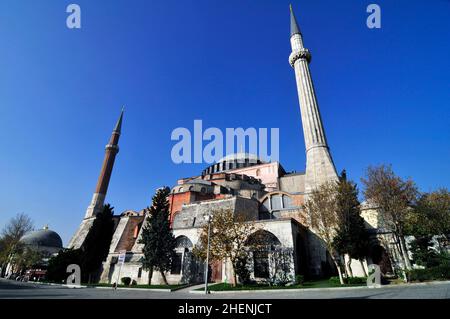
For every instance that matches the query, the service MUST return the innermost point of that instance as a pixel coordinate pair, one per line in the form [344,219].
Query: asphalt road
[18,290]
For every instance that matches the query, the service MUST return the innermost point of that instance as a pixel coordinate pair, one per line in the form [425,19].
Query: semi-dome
[43,238]
[233,161]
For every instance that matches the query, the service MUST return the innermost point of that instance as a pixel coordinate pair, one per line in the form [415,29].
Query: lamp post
[208,219]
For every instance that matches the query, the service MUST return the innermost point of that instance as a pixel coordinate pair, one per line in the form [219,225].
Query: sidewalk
[430,283]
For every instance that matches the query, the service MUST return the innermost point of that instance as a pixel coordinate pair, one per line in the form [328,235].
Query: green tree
[157,237]
[395,198]
[430,217]
[96,245]
[351,235]
[57,265]
[90,255]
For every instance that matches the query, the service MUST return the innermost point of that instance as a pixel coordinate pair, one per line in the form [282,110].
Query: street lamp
[208,219]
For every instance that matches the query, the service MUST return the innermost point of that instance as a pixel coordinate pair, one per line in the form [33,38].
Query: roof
[242,157]
[294,26]
[42,237]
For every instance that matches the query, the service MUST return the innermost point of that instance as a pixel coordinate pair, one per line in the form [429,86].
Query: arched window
[136,230]
[275,201]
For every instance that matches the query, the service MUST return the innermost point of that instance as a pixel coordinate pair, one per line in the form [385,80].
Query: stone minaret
[98,199]
[319,164]
[111,150]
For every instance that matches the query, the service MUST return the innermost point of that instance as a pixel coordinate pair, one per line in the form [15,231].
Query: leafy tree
[24,258]
[430,216]
[351,235]
[157,237]
[227,240]
[321,206]
[395,197]
[96,245]
[16,228]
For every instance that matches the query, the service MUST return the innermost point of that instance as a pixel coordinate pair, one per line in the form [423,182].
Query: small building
[46,243]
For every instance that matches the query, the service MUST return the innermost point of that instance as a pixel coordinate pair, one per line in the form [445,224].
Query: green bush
[440,272]
[334,281]
[126,281]
[299,279]
[134,283]
[356,280]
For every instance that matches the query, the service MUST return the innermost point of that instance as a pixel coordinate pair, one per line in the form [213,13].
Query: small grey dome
[43,237]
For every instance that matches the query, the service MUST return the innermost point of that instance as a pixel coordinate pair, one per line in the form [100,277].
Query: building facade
[263,193]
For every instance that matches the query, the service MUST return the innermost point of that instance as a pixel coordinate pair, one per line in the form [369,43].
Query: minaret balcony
[299,54]
[112,147]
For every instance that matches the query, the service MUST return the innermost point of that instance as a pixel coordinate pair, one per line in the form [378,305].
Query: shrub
[299,279]
[334,281]
[242,270]
[439,272]
[356,280]
[134,283]
[126,281]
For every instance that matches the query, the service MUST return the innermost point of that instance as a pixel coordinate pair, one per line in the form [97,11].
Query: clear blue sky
[384,94]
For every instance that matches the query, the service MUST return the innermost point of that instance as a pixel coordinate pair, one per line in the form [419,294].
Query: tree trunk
[364,269]
[341,279]
[164,278]
[404,252]
[234,275]
[349,263]
[150,275]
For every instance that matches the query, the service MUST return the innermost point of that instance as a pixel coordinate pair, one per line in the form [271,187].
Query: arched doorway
[182,260]
[262,244]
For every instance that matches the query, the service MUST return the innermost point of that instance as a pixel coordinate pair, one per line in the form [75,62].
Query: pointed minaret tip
[118,126]
[294,25]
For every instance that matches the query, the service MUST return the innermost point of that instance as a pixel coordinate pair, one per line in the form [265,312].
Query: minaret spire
[118,126]
[98,198]
[294,26]
[319,164]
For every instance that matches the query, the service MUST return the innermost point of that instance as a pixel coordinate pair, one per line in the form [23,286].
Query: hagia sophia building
[261,192]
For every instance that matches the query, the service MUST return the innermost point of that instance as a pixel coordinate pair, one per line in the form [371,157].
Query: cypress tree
[159,242]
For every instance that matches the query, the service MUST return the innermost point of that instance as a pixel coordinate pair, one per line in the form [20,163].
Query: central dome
[241,157]
[43,238]
[232,162]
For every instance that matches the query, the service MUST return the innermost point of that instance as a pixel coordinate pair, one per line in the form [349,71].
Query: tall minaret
[111,150]
[319,164]
[98,199]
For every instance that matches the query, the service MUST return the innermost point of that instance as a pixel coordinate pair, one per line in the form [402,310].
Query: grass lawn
[306,285]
